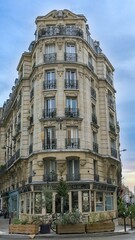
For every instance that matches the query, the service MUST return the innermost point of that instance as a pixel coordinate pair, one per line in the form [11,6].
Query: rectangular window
[50,49]
[50,110]
[72,140]
[38,203]
[99,201]
[73,170]
[50,138]
[85,201]
[50,170]
[74,200]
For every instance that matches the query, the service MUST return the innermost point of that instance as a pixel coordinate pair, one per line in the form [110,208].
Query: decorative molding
[40,163]
[83,162]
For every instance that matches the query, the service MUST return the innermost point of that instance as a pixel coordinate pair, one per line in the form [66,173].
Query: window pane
[99,201]
[74,200]
[85,201]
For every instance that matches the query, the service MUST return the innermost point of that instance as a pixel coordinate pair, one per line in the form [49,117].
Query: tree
[62,190]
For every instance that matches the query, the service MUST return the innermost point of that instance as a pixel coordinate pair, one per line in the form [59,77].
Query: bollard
[124,221]
[131,221]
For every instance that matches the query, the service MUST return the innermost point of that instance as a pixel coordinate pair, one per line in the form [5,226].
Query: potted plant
[70,222]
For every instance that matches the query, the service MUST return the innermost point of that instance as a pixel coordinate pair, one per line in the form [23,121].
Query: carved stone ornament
[83,162]
[61,167]
[40,163]
[60,43]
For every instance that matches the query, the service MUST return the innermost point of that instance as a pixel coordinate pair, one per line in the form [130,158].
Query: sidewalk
[4,232]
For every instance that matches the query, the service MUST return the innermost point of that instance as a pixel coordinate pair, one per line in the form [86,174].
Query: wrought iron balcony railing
[50,144]
[109,79]
[71,84]
[49,84]
[50,177]
[49,113]
[50,57]
[71,57]
[72,112]
[73,177]
[72,143]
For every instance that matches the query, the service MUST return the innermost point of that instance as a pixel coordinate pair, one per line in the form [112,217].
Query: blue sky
[111,23]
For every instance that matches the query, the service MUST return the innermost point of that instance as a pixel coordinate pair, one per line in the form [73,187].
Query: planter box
[24,229]
[100,227]
[70,228]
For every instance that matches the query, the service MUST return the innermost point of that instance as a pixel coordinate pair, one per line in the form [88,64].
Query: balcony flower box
[70,228]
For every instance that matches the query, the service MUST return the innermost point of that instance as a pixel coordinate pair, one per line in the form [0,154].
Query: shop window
[99,201]
[92,202]
[32,203]
[38,203]
[109,202]
[27,203]
[74,200]
[22,203]
[85,201]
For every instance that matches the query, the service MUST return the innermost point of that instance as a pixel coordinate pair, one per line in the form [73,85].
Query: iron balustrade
[59,31]
[71,57]
[50,144]
[73,177]
[50,57]
[49,84]
[49,113]
[111,103]
[113,152]
[72,143]
[50,177]
[95,147]
[71,84]
[71,112]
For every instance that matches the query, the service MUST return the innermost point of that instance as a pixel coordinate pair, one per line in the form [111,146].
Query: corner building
[60,121]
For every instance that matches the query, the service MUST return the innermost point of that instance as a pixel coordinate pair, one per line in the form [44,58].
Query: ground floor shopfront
[86,197]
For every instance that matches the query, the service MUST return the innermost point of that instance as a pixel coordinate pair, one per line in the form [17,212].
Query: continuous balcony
[49,113]
[71,84]
[72,143]
[50,57]
[49,84]
[60,31]
[50,144]
[50,177]
[73,177]
[72,112]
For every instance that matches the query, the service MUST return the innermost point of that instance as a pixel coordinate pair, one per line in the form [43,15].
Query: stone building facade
[60,121]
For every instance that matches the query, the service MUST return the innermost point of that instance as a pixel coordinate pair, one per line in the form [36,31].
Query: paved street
[117,235]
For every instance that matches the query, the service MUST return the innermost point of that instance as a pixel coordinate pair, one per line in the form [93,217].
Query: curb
[58,236]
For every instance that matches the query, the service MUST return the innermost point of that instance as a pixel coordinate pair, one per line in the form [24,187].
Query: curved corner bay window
[85,201]
[99,201]
[109,201]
